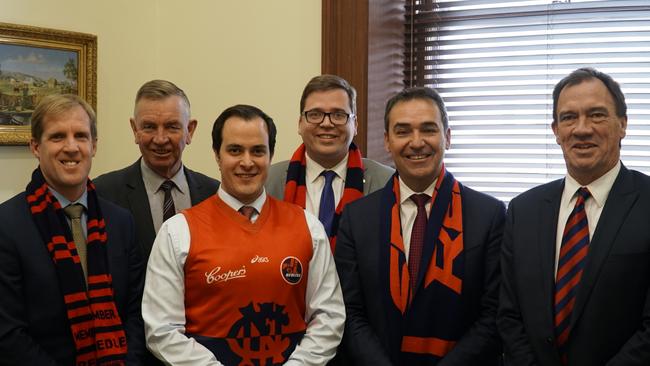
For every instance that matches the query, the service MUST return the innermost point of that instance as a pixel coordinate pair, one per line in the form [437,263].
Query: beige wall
[221,53]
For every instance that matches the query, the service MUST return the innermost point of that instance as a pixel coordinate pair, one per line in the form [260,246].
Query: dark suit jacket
[366,340]
[34,328]
[125,187]
[611,318]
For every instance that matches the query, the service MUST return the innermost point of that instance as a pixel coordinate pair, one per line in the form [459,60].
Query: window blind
[495,64]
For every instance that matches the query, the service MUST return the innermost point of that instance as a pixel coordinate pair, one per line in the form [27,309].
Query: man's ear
[33,147]
[191,127]
[134,128]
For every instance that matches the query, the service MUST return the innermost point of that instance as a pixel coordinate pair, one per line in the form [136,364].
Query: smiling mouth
[327,136]
[246,175]
[161,151]
[583,146]
[69,162]
[418,156]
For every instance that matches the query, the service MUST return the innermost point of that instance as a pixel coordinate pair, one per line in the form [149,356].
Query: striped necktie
[168,203]
[572,259]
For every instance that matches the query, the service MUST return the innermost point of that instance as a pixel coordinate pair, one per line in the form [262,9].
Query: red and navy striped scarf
[295,190]
[424,323]
[97,329]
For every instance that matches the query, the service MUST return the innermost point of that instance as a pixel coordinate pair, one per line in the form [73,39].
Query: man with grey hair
[576,251]
[71,273]
[155,187]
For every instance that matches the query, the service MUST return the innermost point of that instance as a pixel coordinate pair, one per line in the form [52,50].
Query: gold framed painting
[35,62]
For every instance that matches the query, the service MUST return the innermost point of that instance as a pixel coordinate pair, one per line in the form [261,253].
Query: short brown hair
[329,82]
[160,89]
[57,104]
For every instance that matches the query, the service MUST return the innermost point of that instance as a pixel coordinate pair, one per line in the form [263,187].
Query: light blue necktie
[326,208]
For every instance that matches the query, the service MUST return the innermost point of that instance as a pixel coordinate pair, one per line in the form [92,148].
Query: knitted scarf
[295,190]
[96,326]
[424,323]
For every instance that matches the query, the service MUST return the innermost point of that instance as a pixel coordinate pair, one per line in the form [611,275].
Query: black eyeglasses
[337,117]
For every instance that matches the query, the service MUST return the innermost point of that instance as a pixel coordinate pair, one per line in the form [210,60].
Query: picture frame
[35,62]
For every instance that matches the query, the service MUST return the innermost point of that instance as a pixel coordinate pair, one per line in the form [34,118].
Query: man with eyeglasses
[327,171]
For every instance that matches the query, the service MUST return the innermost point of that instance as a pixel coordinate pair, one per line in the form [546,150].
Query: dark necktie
[573,252]
[326,208]
[417,237]
[168,203]
[74,214]
[247,211]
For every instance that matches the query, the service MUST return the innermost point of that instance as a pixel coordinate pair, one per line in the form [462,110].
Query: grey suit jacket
[375,177]
[125,187]
[610,324]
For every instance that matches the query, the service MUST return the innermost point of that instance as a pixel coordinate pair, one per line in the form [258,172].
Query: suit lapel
[619,202]
[194,185]
[366,179]
[549,212]
[139,206]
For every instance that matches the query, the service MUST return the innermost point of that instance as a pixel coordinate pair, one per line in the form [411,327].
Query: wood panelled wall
[363,42]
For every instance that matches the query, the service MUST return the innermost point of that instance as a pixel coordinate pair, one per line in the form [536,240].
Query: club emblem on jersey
[257,337]
[291,270]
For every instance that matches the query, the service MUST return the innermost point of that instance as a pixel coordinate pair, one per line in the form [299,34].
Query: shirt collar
[599,188]
[313,169]
[83,200]
[405,192]
[152,180]
[236,204]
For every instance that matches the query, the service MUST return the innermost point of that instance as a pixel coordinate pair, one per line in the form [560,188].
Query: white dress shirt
[315,182]
[408,210]
[593,206]
[156,196]
[163,302]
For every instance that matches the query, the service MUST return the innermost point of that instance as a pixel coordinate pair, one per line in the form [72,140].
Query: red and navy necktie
[417,237]
[573,254]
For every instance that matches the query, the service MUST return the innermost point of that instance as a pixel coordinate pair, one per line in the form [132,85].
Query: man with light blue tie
[327,170]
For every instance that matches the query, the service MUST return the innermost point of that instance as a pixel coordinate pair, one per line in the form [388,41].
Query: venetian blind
[495,63]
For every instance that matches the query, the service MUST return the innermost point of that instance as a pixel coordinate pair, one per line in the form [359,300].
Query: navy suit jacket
[34,327]
[610,324]
[366,340]
[125,187]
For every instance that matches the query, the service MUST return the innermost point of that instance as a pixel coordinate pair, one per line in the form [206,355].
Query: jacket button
[549,340]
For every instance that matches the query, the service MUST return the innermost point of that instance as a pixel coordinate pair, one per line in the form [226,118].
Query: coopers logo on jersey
[216,275]
[291,270]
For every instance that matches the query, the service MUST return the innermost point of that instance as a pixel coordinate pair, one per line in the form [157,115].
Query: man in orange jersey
[71,273]
[418,260]
[243,278]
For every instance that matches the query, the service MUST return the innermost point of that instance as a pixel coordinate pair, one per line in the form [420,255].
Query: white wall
[220,52]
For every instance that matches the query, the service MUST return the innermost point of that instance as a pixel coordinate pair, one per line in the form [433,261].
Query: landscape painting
[29,73]
[36,62]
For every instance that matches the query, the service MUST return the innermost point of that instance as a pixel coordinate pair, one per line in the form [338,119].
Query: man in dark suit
[70,283]
[327,170]
[418,260]
[576,251]
[155,187]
